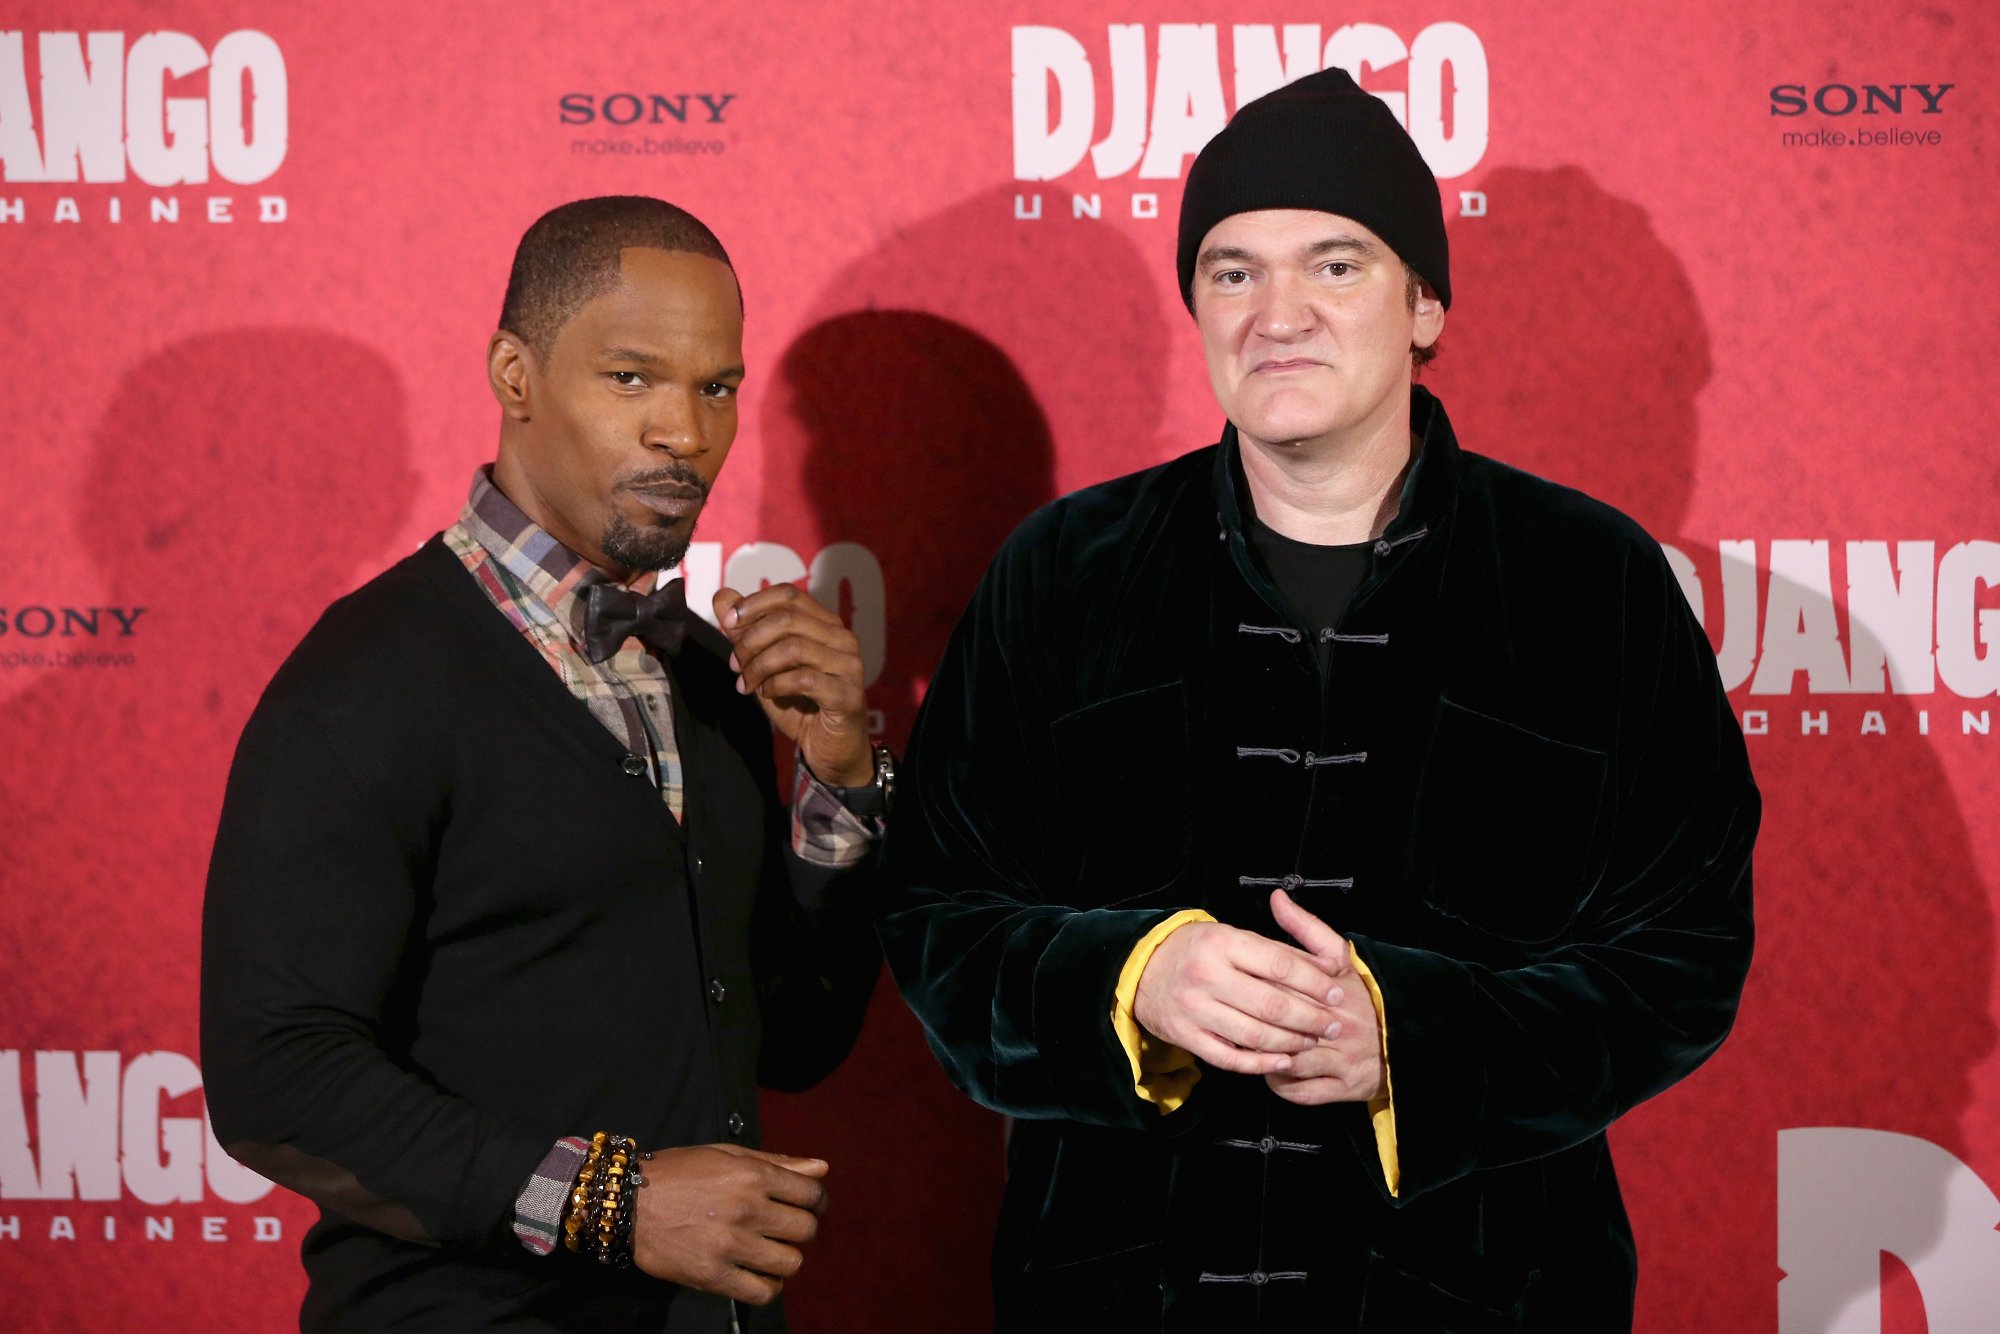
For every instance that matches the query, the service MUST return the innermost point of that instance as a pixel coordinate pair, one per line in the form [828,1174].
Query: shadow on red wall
[238,483]
[1578,350]
[918,436]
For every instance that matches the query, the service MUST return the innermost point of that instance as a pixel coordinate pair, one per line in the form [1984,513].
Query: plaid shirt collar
[559,579]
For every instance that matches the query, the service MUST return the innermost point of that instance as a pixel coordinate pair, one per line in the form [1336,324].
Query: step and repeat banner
[1729,271]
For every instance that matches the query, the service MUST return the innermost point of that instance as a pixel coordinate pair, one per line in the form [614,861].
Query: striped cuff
[824,831]
[538,1209]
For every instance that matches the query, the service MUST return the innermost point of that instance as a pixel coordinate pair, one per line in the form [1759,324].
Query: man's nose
[1284,309]
[674,425]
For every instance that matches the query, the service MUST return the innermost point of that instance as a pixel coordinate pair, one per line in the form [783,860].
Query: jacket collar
[1429,491]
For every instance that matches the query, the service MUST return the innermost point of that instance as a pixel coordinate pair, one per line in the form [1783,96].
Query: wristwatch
[871,799]
[885,775]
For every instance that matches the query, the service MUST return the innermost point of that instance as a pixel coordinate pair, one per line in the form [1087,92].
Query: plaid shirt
[542,587]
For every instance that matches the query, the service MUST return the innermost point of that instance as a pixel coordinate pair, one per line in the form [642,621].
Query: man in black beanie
[1318,841]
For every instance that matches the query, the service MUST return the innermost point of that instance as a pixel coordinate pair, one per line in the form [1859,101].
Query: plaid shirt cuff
[538,1209]
[825,832]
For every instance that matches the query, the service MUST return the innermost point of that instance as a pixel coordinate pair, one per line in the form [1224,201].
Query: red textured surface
[1734,340]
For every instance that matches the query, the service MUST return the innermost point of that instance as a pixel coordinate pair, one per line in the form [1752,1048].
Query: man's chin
[655,547]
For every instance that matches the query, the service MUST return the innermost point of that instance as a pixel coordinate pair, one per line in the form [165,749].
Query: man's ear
[510,372]
[1429,314]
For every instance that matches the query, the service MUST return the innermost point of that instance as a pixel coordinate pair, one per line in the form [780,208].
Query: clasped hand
[1300,1016]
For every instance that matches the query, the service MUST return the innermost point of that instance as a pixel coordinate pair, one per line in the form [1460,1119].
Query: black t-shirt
[1316,582]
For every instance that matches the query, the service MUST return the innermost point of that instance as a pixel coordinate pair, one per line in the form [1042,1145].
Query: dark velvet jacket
[447,923]
[1537,835]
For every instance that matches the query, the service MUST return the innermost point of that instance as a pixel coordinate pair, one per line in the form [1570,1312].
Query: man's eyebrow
[1343,243]
[1218,254]
[1353,245]
[629,354]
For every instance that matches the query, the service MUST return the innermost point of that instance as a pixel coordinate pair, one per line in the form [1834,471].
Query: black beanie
[1320,143]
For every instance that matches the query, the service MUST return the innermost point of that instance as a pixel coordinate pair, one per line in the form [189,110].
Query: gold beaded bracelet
[604,1198]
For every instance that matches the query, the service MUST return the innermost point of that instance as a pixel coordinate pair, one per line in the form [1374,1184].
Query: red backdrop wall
[1725,269]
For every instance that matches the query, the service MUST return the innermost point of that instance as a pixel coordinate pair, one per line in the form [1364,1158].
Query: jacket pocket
[1504,823]
[1396,1301]
[1123,783]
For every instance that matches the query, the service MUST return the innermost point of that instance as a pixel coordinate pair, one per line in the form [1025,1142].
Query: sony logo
[652,108]
[1871,99]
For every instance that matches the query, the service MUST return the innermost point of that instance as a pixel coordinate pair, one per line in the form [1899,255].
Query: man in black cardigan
[1317,841]
[503,862]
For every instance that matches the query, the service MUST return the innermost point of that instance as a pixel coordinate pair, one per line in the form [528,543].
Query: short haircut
[571,254]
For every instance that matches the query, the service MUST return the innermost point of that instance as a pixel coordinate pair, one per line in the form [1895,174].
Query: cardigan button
[735,1123]
[716,991]
[634,765]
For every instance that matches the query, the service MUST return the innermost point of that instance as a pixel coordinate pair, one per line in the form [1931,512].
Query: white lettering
[1800,632]
[1187,99]
[77,1115]
[1970,722]
[1810,723]
[81,106]
[111,1227]
[1123,143]
[757,564]
[247,152]
[1845,1196]
[67,211]
[10,1227]
[213,1229]
[14,210]
[702,568]
[1145,205]
[61,1228]
[160,1229]
[18,1178]
[267,1229]
[847,578]
[1364,48]
[1457,46]
[166,209]
[162,1154]
[1042,151]
[20,150]
[1968,635]
[1021,211]
[1756,722]
[1738,655]
[1258,68]
[218,209]
[1086,206]
[166,138]
[270,208]
[1889,616]
[1873,724]
[1471,203]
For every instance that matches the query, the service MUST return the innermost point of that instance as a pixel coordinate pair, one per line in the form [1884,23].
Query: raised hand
[804,667]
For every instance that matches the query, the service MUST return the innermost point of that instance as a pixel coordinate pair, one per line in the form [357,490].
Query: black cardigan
[446,925]
[1538,839]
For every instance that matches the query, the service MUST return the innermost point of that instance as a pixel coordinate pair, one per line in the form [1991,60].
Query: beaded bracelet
[604,1200]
